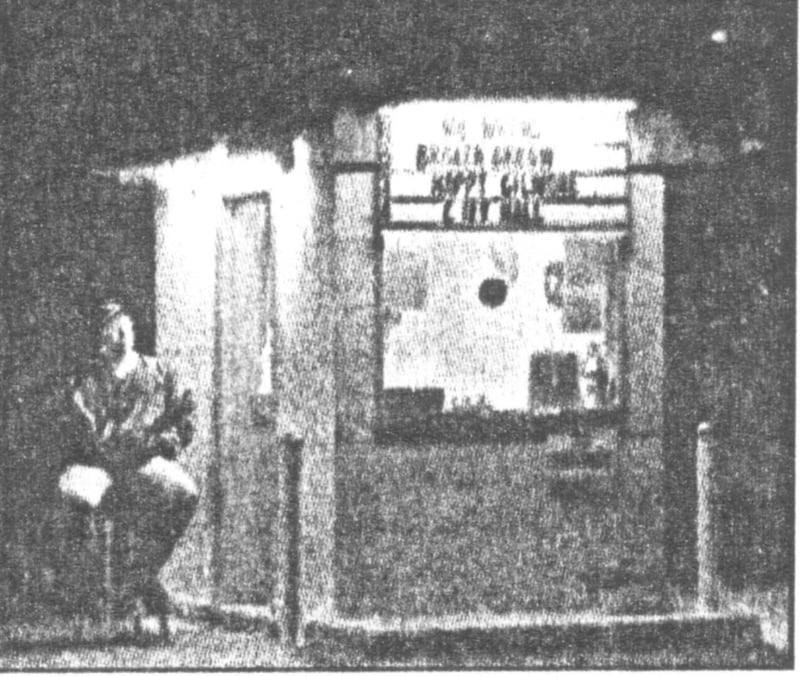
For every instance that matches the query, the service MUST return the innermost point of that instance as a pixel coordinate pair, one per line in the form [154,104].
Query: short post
[108,572]
[707,583]
[290,621]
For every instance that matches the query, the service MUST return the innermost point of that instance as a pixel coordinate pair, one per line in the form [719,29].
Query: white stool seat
[84,483]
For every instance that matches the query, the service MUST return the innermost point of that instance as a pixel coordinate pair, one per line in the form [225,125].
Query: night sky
[110,83]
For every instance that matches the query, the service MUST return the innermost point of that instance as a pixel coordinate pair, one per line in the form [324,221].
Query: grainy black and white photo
[414,334]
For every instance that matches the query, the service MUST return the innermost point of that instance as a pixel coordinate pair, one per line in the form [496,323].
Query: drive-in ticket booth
[454,310]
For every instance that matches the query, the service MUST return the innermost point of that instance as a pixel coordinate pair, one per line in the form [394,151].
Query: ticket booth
[455,309]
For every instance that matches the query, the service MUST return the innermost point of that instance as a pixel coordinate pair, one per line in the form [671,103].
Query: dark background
[90,86]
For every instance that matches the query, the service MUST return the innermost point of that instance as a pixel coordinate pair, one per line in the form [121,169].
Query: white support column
[645,305]
[707,582]
[306,410]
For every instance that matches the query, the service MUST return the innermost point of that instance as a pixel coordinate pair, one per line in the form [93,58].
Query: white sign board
[516,163]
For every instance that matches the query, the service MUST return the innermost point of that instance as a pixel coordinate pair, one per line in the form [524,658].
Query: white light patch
[719,36]
[577,216]
[561,215]
[584,135]
[85,484]
[600,186]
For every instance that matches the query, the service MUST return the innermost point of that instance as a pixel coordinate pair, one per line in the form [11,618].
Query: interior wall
[443,336]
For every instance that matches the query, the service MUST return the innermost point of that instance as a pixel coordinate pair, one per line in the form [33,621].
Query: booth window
[504,230]
[489,322]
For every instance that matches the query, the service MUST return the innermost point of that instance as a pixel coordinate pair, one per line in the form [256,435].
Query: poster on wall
[506,164]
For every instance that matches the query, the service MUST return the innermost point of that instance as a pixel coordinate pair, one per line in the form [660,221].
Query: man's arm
[173,430]
[77,428]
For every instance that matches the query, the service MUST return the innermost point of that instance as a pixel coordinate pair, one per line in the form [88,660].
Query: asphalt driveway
[194,645]
[202,645]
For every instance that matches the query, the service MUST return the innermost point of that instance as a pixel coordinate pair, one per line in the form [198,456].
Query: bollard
[707,583]
[292,453]
[108,573]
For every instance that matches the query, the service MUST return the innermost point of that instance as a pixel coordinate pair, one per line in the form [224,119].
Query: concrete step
[489,641]
[456,640]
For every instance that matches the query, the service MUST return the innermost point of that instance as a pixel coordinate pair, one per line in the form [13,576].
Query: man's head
[116,333]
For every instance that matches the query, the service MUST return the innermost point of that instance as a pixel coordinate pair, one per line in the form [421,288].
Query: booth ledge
[540,633]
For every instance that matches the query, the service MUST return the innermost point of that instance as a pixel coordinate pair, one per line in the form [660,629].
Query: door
[247,477]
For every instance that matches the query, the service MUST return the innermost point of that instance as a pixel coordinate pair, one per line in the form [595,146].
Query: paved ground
[203,645]
[194,645]
[47,643]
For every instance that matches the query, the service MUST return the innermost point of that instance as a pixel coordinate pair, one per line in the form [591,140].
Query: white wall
[645,305]
[191,192]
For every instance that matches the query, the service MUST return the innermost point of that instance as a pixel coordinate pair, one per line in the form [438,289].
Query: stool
[101,545]
[105,542]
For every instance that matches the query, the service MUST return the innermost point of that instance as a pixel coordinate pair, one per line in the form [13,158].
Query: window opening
[503,265]
[542,334]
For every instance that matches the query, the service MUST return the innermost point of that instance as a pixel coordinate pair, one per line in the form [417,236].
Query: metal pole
[707,584]
[108,572]
[290,507]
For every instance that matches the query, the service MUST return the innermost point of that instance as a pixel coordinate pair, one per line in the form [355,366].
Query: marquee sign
[513,164]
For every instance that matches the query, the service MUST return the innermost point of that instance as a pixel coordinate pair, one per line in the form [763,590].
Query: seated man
[130,423]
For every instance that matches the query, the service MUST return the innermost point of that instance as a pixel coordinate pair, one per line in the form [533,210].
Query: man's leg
[82,488]
[164,501]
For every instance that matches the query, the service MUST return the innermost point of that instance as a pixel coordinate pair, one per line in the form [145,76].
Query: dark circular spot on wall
[493,292]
